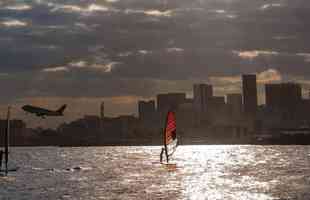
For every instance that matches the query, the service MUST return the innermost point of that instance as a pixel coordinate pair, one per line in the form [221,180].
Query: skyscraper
[170,101]
[202,95]
[249,94]
[146,109]
[102,110]
[284,96]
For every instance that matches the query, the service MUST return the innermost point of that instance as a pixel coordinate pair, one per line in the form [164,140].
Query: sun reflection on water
[210,173]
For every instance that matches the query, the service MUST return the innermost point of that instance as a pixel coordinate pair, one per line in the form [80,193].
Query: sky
[80,53]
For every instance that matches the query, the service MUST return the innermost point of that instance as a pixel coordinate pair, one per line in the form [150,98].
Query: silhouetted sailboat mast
[7,140]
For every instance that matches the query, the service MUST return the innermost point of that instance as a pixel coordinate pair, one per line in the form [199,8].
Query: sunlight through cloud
[267,6]
[253,54]
[20,7]
[56,69]
[74,8]
[14,23]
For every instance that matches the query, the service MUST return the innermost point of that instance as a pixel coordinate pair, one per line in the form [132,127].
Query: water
[200,172]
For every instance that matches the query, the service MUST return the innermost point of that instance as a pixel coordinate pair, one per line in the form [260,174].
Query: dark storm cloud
[134,47]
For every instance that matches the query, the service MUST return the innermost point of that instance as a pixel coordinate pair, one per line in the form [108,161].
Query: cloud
[220,11]
[18,7]
[125,54]
[232,16]
[152,12]
[174,49]
[268,6]
[102,67]
[253,54]
[79,9]
[144,52]
[268,76]
[14,23]
[158,13]
[56,69]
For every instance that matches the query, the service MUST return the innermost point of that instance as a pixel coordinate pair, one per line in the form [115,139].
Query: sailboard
[170,141]
[7,168]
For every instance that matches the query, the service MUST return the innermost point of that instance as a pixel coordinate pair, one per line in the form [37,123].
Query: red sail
[170,131]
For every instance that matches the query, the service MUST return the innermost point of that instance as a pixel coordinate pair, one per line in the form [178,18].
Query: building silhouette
[283,96]
[202,96]
[102,110]
[146,109]
[234,103]
[249,94]
[170,101]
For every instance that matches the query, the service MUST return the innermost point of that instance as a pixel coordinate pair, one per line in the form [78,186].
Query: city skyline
[81,53]
[154,104]
[231,119]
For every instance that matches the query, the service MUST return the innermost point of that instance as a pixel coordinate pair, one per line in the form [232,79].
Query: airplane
[42,112]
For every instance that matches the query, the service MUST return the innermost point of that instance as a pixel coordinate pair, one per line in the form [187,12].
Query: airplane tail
[62,109]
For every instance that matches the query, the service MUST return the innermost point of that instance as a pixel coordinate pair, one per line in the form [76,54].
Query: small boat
[170,141]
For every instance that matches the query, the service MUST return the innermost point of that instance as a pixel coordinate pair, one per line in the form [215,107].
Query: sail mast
[165,137]
[7,140]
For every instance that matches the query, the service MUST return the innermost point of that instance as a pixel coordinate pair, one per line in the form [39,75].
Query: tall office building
[249,94]
[202,96]
[170,101]
[102,110]
[284,96]
[146,109]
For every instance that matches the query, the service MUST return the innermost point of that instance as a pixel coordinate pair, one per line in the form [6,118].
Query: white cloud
[105,67]
[78,64]
[14,23]
[56,69]
[220,11]
[74,8]
[102,67]
[18,7]
[158,13]
[268,76]
[231,16]
[253,54]
[155,13]
[144,52]
[83,26]
[125,54]
[94,7]
[267,6]
[174,49]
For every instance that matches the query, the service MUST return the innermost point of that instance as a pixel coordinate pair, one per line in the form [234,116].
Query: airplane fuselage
[41,112]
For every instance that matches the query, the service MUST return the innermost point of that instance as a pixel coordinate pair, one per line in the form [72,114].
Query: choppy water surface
[201,172]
